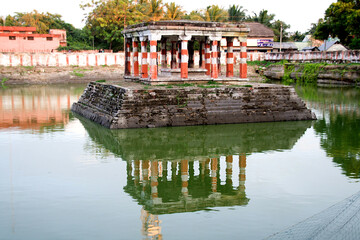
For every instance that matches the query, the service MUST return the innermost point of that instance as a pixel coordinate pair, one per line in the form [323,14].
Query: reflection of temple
[30,108]
[165,187]
[173,186]
[184,169]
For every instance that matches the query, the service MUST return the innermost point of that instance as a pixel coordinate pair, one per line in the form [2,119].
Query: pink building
[24,39]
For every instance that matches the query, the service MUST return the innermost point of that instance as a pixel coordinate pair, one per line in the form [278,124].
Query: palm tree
[156,10]
[216,14]
[195,15]
[264,18]
[173,11]
[236,13]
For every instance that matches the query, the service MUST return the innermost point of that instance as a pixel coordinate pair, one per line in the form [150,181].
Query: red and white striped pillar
[173,55]
[163,54]
[153,59]
[135,57]
[243,56]
[214,63]
[144,63]
[230,57]
[184,56]
[207,58]
[127,57]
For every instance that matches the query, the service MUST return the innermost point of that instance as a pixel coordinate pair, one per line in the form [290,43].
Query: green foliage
[173,12]
[306,73]
[101,80]
[3,80]
[214,13]
[342,20]
[107,19]
[264,17]
[236,13]
[355,43]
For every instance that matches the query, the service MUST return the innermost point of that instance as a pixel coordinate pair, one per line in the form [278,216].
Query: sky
[299,14]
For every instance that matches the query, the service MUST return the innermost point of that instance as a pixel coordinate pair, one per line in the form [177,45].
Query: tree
[173,12]
[156,10]
[264,18]
[342,20]
[108,18]
[297,36]
[195,15]
[236,13]
[215,14]
[276,27]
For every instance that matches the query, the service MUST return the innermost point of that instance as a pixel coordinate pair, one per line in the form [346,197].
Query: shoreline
[74,74]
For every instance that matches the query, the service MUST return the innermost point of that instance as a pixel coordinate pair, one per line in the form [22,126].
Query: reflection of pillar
[184,177]
[150,225]
[135,57]
[229,58]
[214,56]
[136,172]
[173,54]
[163,54]
[243,56]
[214,167]
[173,170]
[153,59]
[207,168]
[229,161]
[144,64]
[145,175]
[242,175]
[154,179]
[165,170]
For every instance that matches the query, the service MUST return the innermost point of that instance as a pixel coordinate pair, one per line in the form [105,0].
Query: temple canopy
[181,37]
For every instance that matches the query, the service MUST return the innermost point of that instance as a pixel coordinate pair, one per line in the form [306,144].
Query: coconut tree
[236,13]
[173,11]
[155,10]
[215,14]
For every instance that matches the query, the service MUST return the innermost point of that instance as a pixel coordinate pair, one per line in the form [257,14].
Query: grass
[3,80]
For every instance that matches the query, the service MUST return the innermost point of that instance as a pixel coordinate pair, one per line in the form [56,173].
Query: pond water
[64,177]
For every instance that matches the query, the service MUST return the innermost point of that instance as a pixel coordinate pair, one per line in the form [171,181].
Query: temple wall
[117,107]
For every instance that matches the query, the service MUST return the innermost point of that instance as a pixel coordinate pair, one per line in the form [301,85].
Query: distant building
[260,39]
[310,49]
[284,47]
[333,45]
[25,39]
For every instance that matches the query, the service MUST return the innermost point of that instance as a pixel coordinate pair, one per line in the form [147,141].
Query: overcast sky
[299,14]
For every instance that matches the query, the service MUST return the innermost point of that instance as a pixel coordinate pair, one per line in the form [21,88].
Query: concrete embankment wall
[92,59]
[117,107]
[327,74]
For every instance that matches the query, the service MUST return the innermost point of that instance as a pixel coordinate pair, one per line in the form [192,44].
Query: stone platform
[142,106]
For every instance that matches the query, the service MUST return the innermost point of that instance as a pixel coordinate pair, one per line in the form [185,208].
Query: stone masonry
[117,107]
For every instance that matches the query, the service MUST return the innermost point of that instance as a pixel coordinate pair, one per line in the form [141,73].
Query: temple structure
[179,38]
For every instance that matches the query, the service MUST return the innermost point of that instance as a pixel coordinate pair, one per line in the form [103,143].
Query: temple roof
[202,28]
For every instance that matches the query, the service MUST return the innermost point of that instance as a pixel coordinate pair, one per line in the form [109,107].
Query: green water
[64,177]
